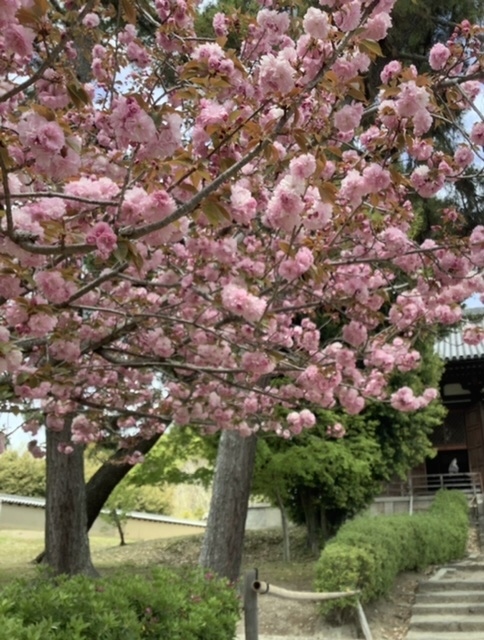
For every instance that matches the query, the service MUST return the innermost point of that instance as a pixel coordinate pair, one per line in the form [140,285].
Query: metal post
[250,606]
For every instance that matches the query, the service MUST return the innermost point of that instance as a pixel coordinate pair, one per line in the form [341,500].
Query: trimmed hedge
[186,605]
[368,552]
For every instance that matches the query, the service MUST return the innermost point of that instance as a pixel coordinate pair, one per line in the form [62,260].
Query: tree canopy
[330,473]
[180,220]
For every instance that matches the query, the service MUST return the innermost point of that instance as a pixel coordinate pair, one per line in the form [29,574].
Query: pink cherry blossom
[404,400]
[135,458]
[40,135]
[212,221]
[41,324]
[303,166]
[35,450]
[477,133]
[390,71]
[54,287]
[316,23]
[285,206]
[220,24]
[411,99]
[292,268]
[214,57]
[355,333]
[239,301]
[274,22]
[473,334]
[439,54]
[91,20]
[65,448]
[130,123]
[348,117]
[426,182]
[19,39]
[463,156]
[349,16]
[257,362]
[336,431]
[476,242]
[244,206]
[65,350]
[376,178]
[276,74]
[377,27]
[350,400]
[103,237]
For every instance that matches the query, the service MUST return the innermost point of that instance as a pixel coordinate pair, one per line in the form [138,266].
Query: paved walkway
[450,605]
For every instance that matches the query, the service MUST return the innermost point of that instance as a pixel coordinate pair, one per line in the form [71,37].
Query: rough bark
[312,519]
[66,540]
[286,543]
[224,537]
[106,479]
[109,475]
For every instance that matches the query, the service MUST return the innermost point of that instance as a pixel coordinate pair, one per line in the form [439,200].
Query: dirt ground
[288,619]
[388,618]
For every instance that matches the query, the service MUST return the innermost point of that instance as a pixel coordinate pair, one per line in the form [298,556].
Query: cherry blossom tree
[174,229]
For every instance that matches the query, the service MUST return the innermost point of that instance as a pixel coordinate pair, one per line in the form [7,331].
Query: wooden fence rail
[253,587]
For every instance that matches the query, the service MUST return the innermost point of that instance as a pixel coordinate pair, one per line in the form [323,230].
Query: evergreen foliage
[21,474]
[24,475]
[187,605]
[368,553]
[321,481]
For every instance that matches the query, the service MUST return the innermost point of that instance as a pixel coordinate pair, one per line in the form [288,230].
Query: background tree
[323,476]
[21,474]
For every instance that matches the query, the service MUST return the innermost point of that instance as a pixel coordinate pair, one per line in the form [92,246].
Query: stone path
[450,605]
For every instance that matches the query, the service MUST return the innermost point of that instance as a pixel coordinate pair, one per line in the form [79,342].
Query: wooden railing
[421,485]
[254,587]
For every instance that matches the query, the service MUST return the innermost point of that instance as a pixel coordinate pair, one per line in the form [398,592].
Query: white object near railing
[254,587]
[419,485]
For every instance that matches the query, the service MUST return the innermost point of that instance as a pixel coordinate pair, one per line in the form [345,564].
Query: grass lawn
[263,550]
[19,547]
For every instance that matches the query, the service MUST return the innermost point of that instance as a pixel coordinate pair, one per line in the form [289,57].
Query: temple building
[461,436]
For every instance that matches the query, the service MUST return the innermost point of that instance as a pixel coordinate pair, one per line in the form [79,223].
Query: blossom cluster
[232,245]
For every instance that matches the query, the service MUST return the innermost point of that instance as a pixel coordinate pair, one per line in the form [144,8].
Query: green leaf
[215,212]
[78,95]
[372,47]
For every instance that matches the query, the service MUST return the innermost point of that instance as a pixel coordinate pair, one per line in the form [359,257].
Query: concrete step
[450,585]
[438,623]
[444,635]
[449,596]
[447,608]
[468,565]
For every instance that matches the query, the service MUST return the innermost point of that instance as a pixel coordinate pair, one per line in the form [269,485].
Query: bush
[185,605]
[368,553]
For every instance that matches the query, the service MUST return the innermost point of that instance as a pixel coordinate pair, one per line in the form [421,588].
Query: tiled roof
[25,501]
[452,347]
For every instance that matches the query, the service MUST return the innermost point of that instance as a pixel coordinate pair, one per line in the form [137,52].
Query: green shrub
[369,552]
[185,605]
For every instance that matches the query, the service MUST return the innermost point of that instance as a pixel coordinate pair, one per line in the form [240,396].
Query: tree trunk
[119,526]
[223,543]
[66,540]
[106,479]
[286,543]
[312,522]
[109,475]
